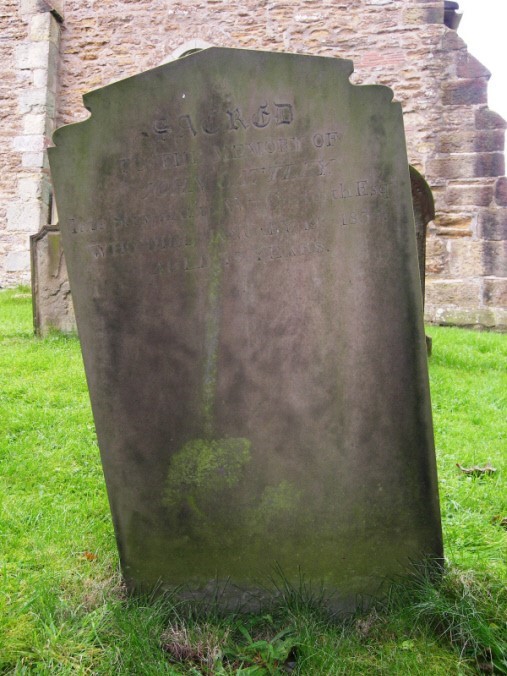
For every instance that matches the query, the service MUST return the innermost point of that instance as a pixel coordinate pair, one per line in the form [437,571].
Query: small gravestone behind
[51,298]
[424,212]
[240,241]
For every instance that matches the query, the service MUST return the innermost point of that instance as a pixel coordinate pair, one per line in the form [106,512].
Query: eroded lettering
[362,188]
[326,139]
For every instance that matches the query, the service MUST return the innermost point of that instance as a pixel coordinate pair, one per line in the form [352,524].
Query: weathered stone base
[445,303]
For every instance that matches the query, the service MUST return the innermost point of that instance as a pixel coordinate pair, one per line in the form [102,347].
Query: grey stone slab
[51,297]
[240,241]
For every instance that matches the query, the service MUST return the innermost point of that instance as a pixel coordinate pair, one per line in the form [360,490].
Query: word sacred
[229,119]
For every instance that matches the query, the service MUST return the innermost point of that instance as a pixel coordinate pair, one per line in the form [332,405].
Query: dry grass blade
[199,646]
[476,470]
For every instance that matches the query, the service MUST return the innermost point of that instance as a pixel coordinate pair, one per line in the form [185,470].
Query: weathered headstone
[240,241]
[51,298]
[424,212]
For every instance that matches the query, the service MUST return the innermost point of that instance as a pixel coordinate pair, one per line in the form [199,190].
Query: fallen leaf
[476,470]
[500,520]
[90,556]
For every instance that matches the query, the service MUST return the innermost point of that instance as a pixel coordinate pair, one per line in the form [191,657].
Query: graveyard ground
[62,606]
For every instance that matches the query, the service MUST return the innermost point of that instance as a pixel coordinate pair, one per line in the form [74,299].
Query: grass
[63,609]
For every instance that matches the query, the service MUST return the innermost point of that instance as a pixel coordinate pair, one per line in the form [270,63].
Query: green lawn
[63,609]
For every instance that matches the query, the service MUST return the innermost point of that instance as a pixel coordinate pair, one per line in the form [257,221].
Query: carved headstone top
[240,243]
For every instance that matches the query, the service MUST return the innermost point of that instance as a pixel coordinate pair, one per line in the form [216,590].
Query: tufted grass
[63,609]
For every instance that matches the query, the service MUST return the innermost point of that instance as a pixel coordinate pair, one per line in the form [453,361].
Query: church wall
[453,139]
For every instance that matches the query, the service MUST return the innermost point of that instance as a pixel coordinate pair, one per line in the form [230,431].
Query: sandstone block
[489,141]
[454,142]
[17,261]
[467,166]
[40,77]
[456,293]
[465,92]
[34,123]
[439,198]
[23,216]
[31,143]
[29,7]
[436,256]
[469,142]
[40,27]
[492,224]
[418,15]
[470,67]
[487,119]
[32,160]
[495,259]
[457,118]
[489,164]
[461,166]
[478,318]
[452,41]
[33,101]
[32,55]
[465,258]
[29,188]
[479,195]
[501,191]
[495,292]
[453,224]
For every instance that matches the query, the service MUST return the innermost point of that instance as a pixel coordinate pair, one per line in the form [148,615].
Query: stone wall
[453,139]
[29,52]
[13,33]
[466,250]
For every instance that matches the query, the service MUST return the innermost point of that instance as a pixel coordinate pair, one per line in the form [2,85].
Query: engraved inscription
[165,155]
[281,145]
[362,188]
[266,254]
[233,118]
[327,139]
[288,171]
[289,176]
[150,244]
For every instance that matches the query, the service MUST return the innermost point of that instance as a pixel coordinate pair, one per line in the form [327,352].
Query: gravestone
[240,241]
[424,212]
[51,297]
